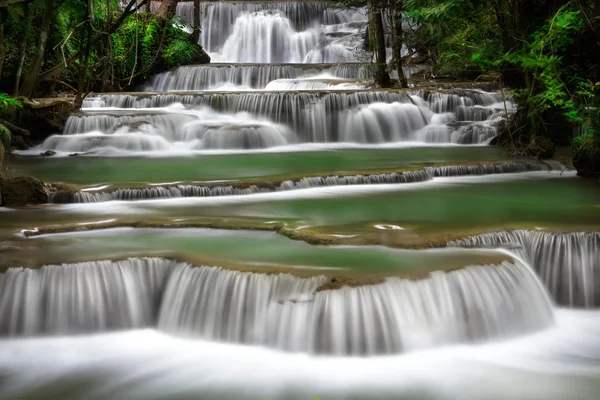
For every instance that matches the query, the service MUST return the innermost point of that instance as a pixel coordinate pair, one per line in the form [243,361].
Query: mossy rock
[540,147]
[22,190]
[587,166]
[200,56]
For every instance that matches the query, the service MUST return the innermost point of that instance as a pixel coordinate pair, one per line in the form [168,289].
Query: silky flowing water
[270,226]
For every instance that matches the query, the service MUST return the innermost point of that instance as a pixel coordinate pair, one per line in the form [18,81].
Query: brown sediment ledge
[336,279]
[62,192]
[414,238]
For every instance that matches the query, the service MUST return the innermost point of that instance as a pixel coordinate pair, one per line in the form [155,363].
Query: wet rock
[22,190]
[20,142]
[46,118]
[48,153]
[200,56]
[336,283]
[540,147]
[587,166]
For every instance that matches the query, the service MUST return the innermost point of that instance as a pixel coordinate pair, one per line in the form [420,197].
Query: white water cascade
[282,311]
[220,19]
[219,77]
[268,37]
[130,124]
[168,129]
[428,173]
[567,263]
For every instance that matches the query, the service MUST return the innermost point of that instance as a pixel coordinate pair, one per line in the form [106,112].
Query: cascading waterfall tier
[568,263]
[281,311]
[254,76]
[157,192]
[176,122]
[169,129]
[219,18]
[276,31]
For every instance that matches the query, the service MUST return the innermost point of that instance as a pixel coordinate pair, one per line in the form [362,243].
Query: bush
[144,45]
[587,144]
[8,103]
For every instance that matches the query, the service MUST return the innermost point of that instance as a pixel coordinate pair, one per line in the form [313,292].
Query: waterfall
[568,263]
[168,129]
[267,37]
[222,21]
[251,120]
[157,192]
[381,123]
[82,298]
[218,18]
[246,76]
[282,311]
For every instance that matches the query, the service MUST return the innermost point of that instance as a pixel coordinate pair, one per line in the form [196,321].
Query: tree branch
[129,10]
[14,129]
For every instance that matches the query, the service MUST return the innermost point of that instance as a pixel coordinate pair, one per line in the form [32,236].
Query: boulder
[200,56]
[540,147]
[587,166]
[22,190]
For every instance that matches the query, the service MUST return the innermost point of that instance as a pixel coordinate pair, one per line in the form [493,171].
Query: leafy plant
[143,45]
[8,103]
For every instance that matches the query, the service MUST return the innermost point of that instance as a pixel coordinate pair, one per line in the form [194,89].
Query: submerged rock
[48,153]
[22,190]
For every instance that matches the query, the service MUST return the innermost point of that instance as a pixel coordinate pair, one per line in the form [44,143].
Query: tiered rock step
[291,117]
[280,310]
[311,31]
[242,188]
[246,76]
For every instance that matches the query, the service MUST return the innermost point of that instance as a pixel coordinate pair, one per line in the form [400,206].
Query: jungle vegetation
[546,52]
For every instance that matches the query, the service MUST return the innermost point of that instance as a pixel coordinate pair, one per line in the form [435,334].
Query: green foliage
[178,52]
[587,144]
[461,34]
[144,44]
[542,55]
[8,103]
[141,46]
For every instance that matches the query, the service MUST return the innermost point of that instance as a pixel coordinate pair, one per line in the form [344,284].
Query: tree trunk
[81,80]
[377,39]
[167,9]
[398,41]
[23,49]
[132,7]
[106,64]
[87,31]
[32,76]
[196,22]
[2,51]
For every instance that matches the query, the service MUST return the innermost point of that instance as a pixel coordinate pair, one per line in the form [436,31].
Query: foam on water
[555,364]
